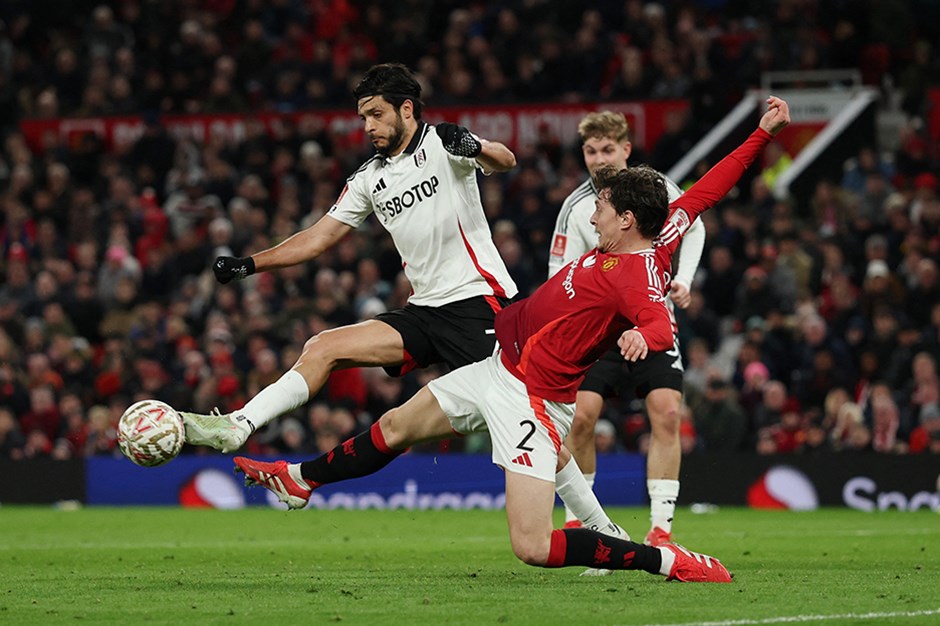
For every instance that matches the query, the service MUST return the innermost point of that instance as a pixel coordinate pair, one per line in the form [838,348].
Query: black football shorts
[454,334]
[613,375]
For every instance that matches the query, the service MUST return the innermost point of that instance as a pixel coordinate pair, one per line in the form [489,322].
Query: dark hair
[639,189]
[394,82]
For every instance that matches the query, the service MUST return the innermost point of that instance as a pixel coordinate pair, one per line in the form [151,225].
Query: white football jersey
[574,234]
[429,201]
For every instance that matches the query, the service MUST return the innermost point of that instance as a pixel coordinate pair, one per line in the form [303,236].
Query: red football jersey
[550,339]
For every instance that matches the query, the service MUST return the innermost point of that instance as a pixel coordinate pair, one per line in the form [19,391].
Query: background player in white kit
[524,395]
[657,379]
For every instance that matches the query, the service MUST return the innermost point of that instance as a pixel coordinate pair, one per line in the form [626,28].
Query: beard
[395,137]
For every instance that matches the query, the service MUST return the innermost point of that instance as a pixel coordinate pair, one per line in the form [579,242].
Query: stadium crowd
[812,327]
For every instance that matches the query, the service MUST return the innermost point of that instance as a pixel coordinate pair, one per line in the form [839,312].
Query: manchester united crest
[610,264]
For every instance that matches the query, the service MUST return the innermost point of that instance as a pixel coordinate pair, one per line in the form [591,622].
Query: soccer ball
[151,433]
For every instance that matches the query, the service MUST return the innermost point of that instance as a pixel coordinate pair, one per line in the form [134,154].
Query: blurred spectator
[924,438]
[857,170]
[43,415]
[11,439]
[605,437]
[924,388]
[719,421]
[789,435]
[885,426]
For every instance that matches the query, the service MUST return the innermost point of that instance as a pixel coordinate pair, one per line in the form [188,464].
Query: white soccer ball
[151,433]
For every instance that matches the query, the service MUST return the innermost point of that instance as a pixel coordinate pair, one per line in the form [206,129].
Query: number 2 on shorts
[521,445]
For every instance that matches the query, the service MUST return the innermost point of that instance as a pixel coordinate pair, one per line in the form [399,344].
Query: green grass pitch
[262,566]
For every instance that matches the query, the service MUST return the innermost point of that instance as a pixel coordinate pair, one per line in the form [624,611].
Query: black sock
[362,455]
[580,546]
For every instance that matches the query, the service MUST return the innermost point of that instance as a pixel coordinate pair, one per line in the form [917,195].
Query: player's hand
[680,295]
[777,116]
[228,268]
[633,345]
[458,141]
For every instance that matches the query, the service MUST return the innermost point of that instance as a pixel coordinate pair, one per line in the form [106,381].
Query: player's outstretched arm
[719,180]
[299,248]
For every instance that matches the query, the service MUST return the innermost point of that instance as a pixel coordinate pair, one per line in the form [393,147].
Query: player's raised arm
[299,248]
[719,180]
[492,155]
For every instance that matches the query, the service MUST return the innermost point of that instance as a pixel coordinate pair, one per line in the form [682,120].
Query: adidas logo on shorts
[523,459]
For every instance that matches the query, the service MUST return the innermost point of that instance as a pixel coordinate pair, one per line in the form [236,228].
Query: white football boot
[226,432]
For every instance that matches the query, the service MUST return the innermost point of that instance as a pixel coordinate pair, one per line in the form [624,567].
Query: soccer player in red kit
[524,395]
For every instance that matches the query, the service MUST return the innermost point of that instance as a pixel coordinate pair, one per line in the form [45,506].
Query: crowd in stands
[812,326]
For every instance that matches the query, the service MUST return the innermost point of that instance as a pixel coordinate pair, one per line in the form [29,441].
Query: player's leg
[368,343]
[580,441]
[579,498]
[447,405]
[529,502]
[419,419]
[662,462]
[659,377]
[599,383]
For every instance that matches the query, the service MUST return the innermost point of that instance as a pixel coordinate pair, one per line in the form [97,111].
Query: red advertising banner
[516,126]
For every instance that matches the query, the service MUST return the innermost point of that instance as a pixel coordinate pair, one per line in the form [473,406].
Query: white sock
[577,495]
[285,394]
[669,559]
[589,478]
[293,470]
[663,494]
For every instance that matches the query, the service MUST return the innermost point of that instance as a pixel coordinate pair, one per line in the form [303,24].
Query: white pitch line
[789,619]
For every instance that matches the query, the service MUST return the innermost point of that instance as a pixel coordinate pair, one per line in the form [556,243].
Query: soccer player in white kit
[422,186]
[657,379]
[524,395]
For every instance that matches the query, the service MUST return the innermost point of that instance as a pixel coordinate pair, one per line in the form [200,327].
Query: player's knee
[531,550]
[582,428]
[664,417]
[392,431]
[321,347]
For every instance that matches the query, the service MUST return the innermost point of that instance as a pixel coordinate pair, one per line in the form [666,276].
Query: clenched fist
[228,268]
[458,141]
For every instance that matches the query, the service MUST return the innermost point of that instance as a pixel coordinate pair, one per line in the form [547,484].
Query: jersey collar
[416,139]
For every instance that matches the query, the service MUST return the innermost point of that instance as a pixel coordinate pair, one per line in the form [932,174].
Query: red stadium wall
[513,125]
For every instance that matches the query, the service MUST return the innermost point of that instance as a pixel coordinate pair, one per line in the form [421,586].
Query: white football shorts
[526,431]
